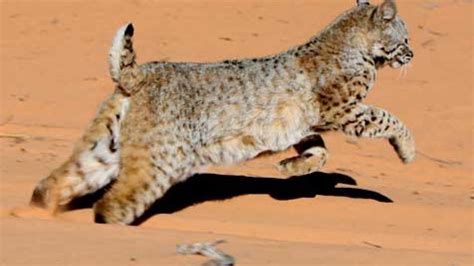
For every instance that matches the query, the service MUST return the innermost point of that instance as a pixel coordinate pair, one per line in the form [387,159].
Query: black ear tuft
[129,30]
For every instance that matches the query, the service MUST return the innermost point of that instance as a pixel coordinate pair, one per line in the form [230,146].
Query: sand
[366,208]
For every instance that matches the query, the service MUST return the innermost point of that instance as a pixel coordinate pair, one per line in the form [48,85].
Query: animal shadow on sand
[210,187]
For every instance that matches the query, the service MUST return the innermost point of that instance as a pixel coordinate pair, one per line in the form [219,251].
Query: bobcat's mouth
[396,63]
[395,58]
[401,60]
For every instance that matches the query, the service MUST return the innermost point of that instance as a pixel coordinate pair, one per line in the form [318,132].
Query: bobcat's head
[389,35]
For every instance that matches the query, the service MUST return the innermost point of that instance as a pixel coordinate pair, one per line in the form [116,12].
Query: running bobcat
[167,120]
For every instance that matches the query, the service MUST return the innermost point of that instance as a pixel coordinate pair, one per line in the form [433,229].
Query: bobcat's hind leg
[93,163]
[146,173]
[312,155]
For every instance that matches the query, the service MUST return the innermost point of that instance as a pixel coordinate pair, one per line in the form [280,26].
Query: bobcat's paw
[405,148]
[310,161]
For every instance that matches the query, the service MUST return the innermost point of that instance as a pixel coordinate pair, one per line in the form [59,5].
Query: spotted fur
[185,116]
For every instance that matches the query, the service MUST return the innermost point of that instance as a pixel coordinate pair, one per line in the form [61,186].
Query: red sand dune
[54,75]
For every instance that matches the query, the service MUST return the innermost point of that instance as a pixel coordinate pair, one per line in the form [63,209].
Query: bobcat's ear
[386,11]
[362,2]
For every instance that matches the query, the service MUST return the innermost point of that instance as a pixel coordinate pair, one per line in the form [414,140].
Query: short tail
[122,65]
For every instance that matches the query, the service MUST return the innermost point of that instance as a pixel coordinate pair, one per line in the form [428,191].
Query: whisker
[402,71]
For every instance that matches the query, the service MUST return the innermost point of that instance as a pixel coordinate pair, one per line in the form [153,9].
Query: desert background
[365,208]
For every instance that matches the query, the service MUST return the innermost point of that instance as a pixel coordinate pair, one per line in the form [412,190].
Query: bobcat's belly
[284,126]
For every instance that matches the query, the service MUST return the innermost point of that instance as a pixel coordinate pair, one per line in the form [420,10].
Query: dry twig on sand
[208,249]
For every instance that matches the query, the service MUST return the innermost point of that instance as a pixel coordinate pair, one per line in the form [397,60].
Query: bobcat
[167,120]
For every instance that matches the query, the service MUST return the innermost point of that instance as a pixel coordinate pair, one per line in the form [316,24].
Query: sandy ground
[54,75]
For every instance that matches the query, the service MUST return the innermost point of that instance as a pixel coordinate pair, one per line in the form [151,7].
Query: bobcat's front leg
[373,122]
[312,155]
